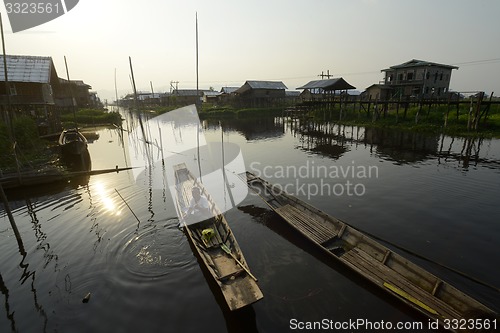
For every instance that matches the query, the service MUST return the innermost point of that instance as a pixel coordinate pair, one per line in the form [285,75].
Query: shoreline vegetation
[436,119]
[30,151]
[26,150]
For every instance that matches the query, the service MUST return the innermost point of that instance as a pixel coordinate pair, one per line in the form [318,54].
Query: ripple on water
[157,250]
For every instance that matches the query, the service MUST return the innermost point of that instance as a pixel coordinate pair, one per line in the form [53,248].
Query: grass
[91,117]
[209,111]
[428,120]
[29,150]
[212,111]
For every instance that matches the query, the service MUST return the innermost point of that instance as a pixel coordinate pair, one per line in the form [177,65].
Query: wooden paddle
[226,249]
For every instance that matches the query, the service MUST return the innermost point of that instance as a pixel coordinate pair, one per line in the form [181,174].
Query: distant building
[228,90]
[378,91]
[323,89]
[210,96]
[261,93]
[185,96]
[75,90]
[227,94]
[418,78]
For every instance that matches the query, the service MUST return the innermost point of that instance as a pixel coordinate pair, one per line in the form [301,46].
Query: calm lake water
[436,196]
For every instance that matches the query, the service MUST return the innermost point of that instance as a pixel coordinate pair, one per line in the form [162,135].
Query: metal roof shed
[261,85]
[328,85]
[29,69]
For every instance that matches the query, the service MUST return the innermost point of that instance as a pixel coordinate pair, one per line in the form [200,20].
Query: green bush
[5,146]
[29,148]
[25,132]
[92,117]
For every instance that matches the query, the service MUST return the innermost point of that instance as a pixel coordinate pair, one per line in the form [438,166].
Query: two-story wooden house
[418,78]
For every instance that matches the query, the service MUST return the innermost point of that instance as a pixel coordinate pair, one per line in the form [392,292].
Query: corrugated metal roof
[78,83]
[211,93]
[419,63]
[330,84]
[27,69]
[228,90]
[267,85]
[292,93]
[188,92]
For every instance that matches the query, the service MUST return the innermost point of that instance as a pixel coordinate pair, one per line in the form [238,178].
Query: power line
[465,63]
[479,62]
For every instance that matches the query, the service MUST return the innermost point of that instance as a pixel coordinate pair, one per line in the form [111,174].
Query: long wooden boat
[219,252]
[72,142]
[388,270]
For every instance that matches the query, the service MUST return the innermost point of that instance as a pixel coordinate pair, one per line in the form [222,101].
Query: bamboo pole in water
[135,100]
[197,91]
[71,93]
[116,92]
[3,197]
[7,86]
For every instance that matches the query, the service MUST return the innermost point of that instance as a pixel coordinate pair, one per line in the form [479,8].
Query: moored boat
[388,270]
[72,142]
[215,244]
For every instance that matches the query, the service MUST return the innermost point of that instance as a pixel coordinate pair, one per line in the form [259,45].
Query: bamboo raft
[388,270]
[220,254]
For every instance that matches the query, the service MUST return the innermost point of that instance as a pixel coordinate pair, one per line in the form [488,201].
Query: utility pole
[152,91]
[172,88]
[327,75]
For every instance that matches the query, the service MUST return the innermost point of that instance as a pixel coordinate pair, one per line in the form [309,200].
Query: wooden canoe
[72,142]
[220,254]
[388,270]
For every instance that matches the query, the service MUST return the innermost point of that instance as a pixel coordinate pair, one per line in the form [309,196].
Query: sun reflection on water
[105,197]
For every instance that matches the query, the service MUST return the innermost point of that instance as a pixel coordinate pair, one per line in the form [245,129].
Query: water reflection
[402,147]
[251,128]
[79,238]
[332,140]
[104,196]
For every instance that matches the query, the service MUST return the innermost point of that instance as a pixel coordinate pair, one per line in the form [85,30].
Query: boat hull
[229,271]
[388,270]
[72,143]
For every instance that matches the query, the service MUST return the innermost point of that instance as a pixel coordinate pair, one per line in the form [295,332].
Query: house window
[410,76]
[435,77]
[441,77]
[400,77]
[427,75]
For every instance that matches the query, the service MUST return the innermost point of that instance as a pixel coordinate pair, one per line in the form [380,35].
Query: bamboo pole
[71,93]
[3,197]
[7,85]
[116,92]
[198,104]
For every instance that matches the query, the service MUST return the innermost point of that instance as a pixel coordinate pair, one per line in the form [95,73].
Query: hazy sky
[283,40]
